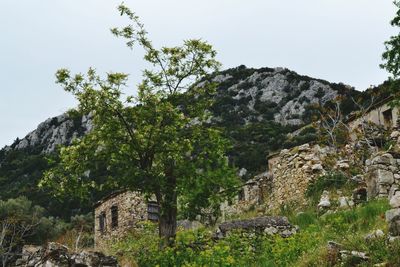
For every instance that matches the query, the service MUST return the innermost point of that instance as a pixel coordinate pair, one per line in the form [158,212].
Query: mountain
[255,109]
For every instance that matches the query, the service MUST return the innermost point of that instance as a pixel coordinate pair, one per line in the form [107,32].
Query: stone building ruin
[381,114]
[121,211]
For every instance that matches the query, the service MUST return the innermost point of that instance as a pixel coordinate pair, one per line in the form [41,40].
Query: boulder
[375,234]
[384,176]
[390,215]
[395,135]
[343,202]
[385,159]
[395,200]
[324,202]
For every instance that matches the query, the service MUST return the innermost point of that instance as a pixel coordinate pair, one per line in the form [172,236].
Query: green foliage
[330,181]
[21,171]
[392,54]
[306,135]
[306,248]
[253,142]
[22,223]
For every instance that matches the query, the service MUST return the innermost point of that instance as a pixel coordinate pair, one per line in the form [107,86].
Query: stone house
[381,114]
[121,211]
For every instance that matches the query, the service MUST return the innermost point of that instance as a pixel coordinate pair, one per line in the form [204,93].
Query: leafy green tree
[22,222]
[157,142]
[392,54]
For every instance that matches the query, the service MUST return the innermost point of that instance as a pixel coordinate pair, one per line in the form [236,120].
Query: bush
[334,180]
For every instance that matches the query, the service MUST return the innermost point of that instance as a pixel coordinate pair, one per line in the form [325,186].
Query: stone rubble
[57,255]
[270,225]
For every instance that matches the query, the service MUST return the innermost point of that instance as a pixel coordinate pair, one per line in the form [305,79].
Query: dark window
[241,195]
[114,217]
[153,211]
[387,117]
[102,221]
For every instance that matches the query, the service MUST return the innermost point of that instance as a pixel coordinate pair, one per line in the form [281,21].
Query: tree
[157,142]
[392,54]
[332,124]
[20,222]
[391,57]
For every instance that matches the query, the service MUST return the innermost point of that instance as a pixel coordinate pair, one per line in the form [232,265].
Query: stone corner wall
[132,208]
[286,181]
[290,173]
[382,175]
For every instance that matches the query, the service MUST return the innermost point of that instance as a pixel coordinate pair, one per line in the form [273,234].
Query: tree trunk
[167,226]
[168,211]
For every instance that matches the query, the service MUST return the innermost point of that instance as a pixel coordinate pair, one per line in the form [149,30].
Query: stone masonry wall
[132,208]
[382,175]
[251,195]
[291,172]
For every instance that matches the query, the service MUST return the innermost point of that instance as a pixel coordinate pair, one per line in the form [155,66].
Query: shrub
[334,180]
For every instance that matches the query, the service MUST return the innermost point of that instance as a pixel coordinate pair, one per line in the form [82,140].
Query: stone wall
[382,175]
[132,208]
[290,173]
[250,196]
[271,225]
[285,183]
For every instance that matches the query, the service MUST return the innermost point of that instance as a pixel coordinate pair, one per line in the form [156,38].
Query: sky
[335,40]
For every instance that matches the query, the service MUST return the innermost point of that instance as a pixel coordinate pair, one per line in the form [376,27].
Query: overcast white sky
[336,40]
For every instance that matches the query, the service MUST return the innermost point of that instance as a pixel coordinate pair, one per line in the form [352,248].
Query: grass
[306,248]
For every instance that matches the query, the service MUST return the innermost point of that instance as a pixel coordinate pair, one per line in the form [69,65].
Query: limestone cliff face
[255,95]
[60,130]
[244,95]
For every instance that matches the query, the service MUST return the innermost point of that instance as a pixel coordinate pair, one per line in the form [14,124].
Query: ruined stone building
[121,211]
[289,173]
[381,114]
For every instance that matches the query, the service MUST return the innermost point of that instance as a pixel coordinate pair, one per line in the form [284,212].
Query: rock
[270,225]
[55,131]
[395,200]
[394,227]
[376,234]
[395,135]
[57,255]
[242,172]
[342,165]
[317,167]
[356,255]
[333,244]
[324,201]
[304,147]
[358,179]
[390,215]
[343,202]
[271,230]
[393,189]
[392,239]
[385,159]
[384,176]
[189,225]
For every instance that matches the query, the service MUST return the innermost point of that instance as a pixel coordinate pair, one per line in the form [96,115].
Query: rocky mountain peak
[60,130]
